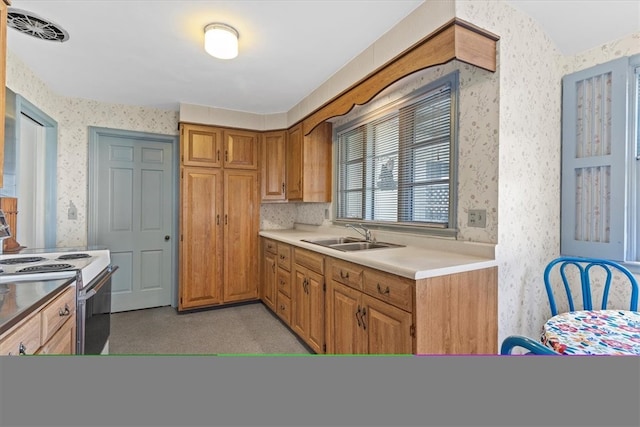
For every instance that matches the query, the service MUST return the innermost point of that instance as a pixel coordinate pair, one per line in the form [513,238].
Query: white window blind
[395,166]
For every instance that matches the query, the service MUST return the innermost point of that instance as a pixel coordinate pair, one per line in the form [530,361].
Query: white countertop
[412,261]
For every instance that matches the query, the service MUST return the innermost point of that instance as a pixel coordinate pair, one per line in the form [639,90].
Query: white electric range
[92,271]
[43,264]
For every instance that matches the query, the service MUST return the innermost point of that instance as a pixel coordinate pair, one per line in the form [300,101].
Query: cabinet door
[200,145]
[273,166]
[387,328]
[240,149]
[269,273]
[300,315]
[344,327]
[201,237]
[241,224]
[316,293]
[294,163]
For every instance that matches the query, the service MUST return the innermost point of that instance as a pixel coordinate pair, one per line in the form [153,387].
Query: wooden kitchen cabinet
[358,323]
[273,155]
[241,226]
[309,162]
[200,145]
[49,329]
[269,274]
[201,239]
[308,289]
[240,149]
[219,217]
[212,146]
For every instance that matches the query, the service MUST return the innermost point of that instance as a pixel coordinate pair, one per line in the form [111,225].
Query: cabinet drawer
[313,261]
[346,273]
[57,312]
[26,335]
[63,341]
[395,290]
[284,282]
[284,256]
[270,246]
[283,307]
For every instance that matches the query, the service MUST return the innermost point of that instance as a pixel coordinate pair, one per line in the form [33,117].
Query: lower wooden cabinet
[360,324]
[308,307]
[340,307]
[50,329]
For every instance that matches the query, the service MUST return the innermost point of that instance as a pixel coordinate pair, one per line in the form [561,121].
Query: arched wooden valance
[457,39]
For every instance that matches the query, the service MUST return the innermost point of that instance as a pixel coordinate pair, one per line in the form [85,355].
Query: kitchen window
[600,162]
[396,166]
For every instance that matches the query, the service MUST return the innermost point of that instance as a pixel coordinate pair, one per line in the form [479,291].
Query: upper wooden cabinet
[3,66]
[273,155]
[216,147]
[240,149]
[309,164]
[201,145]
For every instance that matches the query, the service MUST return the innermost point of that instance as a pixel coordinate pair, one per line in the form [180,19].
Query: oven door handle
[85,295]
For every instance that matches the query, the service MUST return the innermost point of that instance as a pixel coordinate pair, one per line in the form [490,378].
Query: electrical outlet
[477,218]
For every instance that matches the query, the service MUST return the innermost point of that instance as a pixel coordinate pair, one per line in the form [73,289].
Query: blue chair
[578,271]
[534,347]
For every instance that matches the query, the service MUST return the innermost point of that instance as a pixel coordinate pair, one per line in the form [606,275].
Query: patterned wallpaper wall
[74,116]
[509,151]
[530,73]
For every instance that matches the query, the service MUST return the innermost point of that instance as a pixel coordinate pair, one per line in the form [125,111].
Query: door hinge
[412,330]
[324,348]
[324,287]
[181,238]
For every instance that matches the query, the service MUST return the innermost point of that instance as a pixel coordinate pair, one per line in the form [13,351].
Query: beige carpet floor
[243,329]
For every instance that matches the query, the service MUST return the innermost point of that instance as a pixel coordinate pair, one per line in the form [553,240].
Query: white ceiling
[150,53]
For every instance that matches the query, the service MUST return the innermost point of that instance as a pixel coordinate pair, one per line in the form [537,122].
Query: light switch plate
[477,218]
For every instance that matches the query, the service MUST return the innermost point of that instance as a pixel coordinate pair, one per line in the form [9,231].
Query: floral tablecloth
[593,332]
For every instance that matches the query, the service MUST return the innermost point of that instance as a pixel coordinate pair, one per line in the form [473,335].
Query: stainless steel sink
[349,244]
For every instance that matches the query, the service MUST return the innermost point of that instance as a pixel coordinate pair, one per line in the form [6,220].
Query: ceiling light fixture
[221,41]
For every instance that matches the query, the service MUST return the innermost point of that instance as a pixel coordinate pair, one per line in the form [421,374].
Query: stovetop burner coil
[74,256]
[23,260]
[45,268]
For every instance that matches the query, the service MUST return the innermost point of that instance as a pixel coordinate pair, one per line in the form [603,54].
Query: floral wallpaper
[509,151]
[530,73]
[74,116]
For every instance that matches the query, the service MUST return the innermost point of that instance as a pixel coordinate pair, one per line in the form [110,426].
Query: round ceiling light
[221,41]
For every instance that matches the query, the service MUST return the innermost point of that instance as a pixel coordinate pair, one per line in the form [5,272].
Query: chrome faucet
[362,230]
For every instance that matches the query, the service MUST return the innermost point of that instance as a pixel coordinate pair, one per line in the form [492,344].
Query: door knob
[167,237]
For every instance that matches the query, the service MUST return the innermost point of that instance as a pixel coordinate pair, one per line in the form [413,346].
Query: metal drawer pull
[364,313]
[64,312]
[358,318]
[344,275]
[385,292]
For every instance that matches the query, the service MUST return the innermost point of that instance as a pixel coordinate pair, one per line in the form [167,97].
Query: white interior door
[134,215]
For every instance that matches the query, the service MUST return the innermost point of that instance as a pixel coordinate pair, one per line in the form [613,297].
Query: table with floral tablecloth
[595,332]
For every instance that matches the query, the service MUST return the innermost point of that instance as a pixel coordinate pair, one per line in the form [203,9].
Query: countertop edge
[373,258]
[8,324]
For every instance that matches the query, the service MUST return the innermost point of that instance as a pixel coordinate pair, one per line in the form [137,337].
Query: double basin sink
[350,244]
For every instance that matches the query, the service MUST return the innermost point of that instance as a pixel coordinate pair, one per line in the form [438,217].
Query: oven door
[94,314]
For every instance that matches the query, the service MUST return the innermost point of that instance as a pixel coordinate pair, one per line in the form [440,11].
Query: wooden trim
[457,39]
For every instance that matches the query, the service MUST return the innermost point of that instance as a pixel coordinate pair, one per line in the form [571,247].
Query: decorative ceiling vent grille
[35,26]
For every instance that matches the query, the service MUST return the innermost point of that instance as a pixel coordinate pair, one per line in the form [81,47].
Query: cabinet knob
[380,291]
